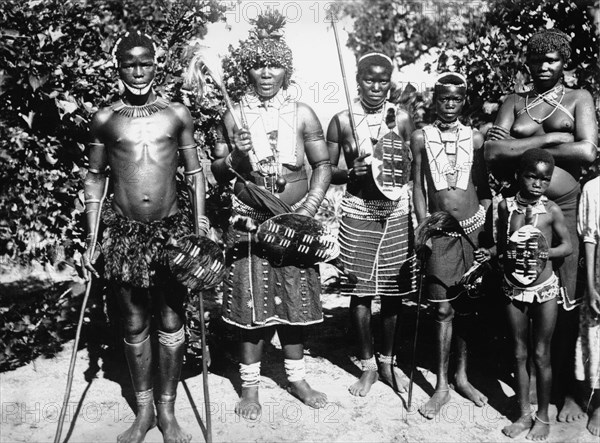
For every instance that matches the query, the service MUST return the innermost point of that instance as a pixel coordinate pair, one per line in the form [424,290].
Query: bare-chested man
[140,138]
[563,122]
[449,178]
[376,231]
[261,296]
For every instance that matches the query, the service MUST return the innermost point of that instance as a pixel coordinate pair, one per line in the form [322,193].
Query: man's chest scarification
[144,140]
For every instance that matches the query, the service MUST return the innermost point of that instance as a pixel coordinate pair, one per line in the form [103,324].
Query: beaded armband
[186,147]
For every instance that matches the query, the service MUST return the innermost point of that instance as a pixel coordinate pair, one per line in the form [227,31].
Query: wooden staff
[208,436]
[344,81]
[88,287]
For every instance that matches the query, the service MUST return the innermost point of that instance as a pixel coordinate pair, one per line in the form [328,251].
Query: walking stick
[344,81]
[208,436]
[88,287]
[414,349]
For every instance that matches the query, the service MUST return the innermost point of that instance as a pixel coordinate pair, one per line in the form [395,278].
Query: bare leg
[463,386]
[594,422]
[518,320]
[388,372]
[292,340]
[443,330]
[544,320]
[360,311]
[170,353]
[532,377]
[251,349]
[135,306]
[563,356]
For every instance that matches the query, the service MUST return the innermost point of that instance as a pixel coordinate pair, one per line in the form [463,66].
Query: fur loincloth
[134,251]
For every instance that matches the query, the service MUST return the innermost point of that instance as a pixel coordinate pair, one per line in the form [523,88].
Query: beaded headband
[115,48]
[439,81]
[361,60]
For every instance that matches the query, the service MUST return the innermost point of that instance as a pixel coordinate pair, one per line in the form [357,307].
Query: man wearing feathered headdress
[278,134]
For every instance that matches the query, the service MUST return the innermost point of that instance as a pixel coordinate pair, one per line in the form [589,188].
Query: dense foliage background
[485,40]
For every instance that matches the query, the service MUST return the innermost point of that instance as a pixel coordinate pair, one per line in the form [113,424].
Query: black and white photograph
[299,221]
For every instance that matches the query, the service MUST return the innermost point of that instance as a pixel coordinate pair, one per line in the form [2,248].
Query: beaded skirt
[377,245]
[257,293]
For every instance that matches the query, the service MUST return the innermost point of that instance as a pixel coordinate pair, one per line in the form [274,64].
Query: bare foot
[570,411]
[167,423]
[145,420]
[362,387]
[467,390]
[439,398]
[307,395]
[248,406]
[540,429]
[594,423]
[522,424]
[393,377]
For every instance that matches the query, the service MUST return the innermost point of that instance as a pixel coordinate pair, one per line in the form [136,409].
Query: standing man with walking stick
[141,138]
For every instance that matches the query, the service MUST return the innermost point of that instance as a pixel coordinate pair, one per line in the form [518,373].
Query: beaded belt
[359,209]
[241,208]
[470,224]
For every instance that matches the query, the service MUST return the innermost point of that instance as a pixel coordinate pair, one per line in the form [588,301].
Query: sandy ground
[99,407]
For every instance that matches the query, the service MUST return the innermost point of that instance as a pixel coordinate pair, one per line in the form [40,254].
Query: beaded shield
[197,262]
[296,238]
[391,165]
[526,255]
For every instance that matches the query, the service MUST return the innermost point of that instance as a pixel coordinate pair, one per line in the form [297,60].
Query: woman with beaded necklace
[376,229]
[562,121]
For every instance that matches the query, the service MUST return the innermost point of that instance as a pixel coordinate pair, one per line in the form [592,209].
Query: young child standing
[527,223]
[587,352]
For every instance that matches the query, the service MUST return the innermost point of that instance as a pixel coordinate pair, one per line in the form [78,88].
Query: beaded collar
[372,109]
[146,110]
[446,126]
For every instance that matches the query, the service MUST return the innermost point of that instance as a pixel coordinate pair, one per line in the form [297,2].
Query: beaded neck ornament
[146,110]
[553,97]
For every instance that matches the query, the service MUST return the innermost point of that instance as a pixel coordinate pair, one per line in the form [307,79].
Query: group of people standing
[396,176]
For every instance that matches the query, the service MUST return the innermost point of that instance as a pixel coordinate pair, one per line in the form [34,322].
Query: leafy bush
[406,29]
[30,329]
